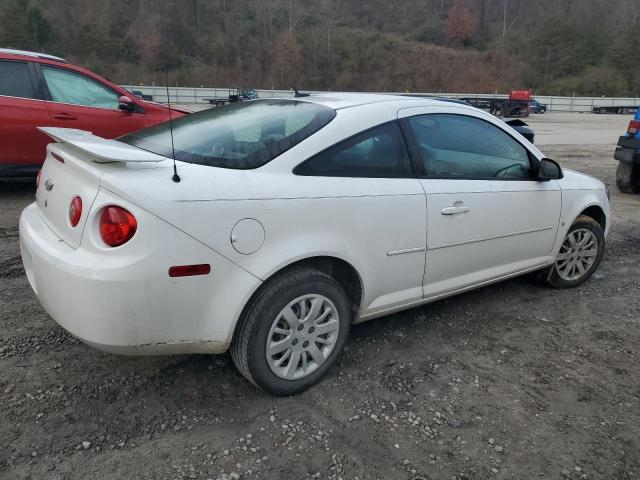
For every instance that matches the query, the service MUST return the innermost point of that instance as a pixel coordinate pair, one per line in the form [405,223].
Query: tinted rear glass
[15,80]
[242,135]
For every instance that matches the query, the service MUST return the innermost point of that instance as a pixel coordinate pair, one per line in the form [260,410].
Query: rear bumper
[628,150]
[127,303]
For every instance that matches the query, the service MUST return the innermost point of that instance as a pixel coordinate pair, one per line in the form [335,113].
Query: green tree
[25,27]
[592,82]
[38,28]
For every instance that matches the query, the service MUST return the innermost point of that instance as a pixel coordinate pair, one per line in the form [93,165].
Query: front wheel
[580,254]
[292,332]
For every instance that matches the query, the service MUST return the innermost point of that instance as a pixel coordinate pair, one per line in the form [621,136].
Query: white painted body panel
[510,226]
[102,149]
[122,299]
[579,192]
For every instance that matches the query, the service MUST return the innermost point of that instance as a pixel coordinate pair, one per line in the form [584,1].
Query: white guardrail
[199,96]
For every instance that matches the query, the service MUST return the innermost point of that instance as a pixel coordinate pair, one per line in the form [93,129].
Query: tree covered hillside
[553,46]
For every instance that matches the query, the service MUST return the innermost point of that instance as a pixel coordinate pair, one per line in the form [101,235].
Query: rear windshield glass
[242,135]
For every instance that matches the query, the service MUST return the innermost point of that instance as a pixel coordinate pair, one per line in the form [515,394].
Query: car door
[22,109]
[487,215]
[75,100]
[376,206]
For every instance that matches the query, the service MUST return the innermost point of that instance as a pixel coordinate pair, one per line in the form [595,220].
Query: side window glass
[15,80]
[376,153]
[69,87]
[462,147]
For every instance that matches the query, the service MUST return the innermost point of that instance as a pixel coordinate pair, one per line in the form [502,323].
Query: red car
[42,90]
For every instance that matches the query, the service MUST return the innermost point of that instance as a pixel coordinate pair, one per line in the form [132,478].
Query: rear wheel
[628,177]
[580,254]
[292,332]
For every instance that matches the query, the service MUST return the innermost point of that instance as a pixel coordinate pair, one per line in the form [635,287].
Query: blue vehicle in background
[628,155]
[537,107]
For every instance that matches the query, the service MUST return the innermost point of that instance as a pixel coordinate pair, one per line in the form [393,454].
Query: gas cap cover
[247,236]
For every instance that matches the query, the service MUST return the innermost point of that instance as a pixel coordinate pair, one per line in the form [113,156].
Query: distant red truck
[520,95]
[517,105]
[38,90]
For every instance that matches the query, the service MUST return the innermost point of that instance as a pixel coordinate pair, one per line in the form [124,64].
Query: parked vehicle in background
[481,103]
[38,90]
[518,104]
[620,110]
[628,155]
[247,94]
[294,219]
[518,125]
[521,127]
[142,96]
[235,95]
[537,107]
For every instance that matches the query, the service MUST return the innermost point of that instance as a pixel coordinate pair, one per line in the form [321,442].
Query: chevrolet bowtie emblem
[48,185]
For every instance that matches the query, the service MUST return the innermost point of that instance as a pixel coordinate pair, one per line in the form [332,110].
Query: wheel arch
[597,213]
[337,268]
[576,202]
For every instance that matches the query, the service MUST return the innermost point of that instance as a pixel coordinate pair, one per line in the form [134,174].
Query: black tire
[582,222]
[628,177]
[248,348]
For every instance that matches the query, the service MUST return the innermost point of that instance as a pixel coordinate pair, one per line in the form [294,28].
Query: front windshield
[241,136]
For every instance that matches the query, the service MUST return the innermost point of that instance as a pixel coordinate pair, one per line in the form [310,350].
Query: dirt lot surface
[513,381]
[578,129]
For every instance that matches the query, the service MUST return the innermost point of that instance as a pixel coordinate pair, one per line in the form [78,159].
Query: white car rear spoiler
[103,150]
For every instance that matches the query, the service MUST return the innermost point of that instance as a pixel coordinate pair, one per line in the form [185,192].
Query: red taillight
[189,270]
[117,226]
[634,127]
[75,211]
[38,179]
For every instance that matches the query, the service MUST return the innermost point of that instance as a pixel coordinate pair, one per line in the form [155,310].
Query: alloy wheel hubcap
[577,254]
[302,336]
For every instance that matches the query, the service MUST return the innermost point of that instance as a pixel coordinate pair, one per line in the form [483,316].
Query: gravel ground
[515,380]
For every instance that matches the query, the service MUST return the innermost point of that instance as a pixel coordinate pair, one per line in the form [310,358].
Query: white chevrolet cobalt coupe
[293,219]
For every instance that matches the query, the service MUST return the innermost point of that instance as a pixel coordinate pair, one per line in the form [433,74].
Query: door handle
[454,210]
[64,116]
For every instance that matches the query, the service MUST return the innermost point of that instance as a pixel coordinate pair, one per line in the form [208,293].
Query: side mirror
[126,104]
[549,170]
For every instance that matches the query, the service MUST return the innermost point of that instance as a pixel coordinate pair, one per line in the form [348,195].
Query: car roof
[51,60]
[26,53]
[340,100]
